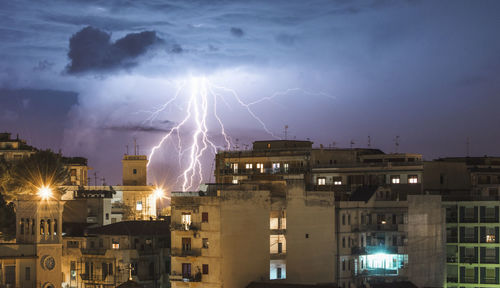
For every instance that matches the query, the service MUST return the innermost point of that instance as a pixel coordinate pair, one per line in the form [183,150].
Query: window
[343,264]
[285,167]
[276,167]
[115,244]
[337,180]
[205,269]
[55,226]
[343,242]
[72,272]
[205,243]
[235,167]
[49,227]
[307,235]
[321,181]
[204,217]
[349,219]
[138,206]
[42,227]
[343,219]
[413,179]
[27,274]
[260,167]
[268,145]
[490,238]
[134,171]
[278,273]
[107,216]
[73,172]
[186,244]
[101,243]
[235,181]
[395,179]
[186,270]
[186,220]
[249,166]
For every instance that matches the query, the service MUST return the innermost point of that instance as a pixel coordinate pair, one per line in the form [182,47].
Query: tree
[44,168]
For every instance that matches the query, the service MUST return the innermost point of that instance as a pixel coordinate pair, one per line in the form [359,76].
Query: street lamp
[158,193]
[45,192]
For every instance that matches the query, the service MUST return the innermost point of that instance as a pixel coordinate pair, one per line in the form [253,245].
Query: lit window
[205,243]
[276,167]
[235,167]
[186,220]
[490,238]
[235,181]
[285,167]
[395,179]
[413,179]
[115,245]
[249,166]
[322,181]
[337,183]
[138,206]
[260,167]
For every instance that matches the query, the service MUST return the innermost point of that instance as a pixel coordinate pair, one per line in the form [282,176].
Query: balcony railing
[489,281]
[374,249]
[487,219]
[185,278]
[379,272]
[185,227]
[489,260]
[379,227]
[469,280]
[451,259]
[186,253]
[93,251]
[452,279]
[468,259]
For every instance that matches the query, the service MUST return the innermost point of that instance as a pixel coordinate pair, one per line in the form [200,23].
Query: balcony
[469,280]
[379,272]
[185,278]
[487,219]
[93,251]
[451,259]
[468,259]
[186,253]
[379,227]
[185,227]
[277,256]
[489,260]
[489,281]
[374,249]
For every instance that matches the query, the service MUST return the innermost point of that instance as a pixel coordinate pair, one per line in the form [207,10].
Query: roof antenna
[396,143]
[135,146]
[369,141]
[352,143]
[127,149]
[286,132]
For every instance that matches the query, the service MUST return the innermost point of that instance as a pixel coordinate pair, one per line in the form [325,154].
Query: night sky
[83,76]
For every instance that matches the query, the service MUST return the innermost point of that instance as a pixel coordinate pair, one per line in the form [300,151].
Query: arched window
[22,226]
[27,226]
[55,226]
[49,227]
[42,227]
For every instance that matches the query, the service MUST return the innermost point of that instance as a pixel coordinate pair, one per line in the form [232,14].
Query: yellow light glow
[45,192]
[158,193]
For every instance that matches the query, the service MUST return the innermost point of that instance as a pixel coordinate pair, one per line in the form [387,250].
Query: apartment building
[14,149]
[109,255]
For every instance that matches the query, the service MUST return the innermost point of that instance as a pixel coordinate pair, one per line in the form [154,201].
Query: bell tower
[135,170]
[39,225]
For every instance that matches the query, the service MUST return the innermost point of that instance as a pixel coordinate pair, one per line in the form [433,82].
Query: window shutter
[462,274]
[482,211]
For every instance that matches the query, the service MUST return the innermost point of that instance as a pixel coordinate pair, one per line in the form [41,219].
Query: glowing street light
[45,192]
[158,193]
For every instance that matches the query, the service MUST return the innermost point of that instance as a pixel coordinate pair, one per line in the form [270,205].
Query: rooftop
[133,228]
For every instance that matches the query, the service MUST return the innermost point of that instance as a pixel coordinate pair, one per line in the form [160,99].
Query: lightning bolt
[202,106]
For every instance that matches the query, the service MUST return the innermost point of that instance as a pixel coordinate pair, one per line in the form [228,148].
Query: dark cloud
[91,49]
[140,127]
[237,32]
[176,48]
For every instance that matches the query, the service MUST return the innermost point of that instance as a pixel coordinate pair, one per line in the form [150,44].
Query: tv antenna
[286,131]
[396,143]
[369,141]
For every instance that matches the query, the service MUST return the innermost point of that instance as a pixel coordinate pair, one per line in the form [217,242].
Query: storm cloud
[91,49]
[237,32]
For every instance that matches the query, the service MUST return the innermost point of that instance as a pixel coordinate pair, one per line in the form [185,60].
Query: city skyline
[424,71]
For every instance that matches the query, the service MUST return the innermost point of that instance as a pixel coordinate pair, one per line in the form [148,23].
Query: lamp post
[45,192]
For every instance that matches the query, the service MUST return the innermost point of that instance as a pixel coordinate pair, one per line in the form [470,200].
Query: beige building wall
[311,244]
[426,240]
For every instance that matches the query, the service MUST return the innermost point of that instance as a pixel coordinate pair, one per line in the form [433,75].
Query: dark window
[205,268]
[135,171]
[186,270]
[186,244]
[107,216]
[278,273]
[204,217]
[280,248]
[22,226]
[110,269]
[27,272]
[135,268]
[307,235]
[151,269]
[343,219]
